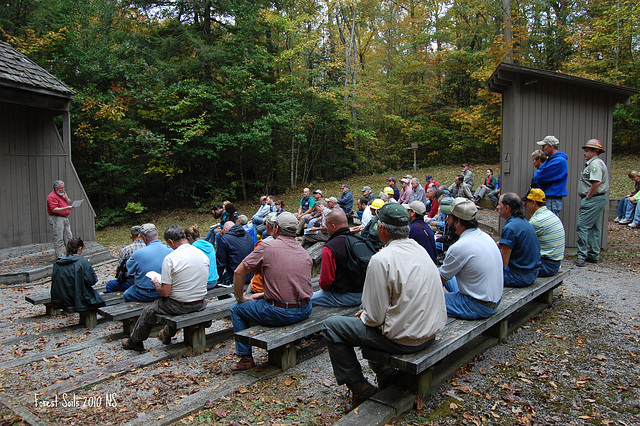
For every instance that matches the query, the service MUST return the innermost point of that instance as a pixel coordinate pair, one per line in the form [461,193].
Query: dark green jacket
[72,283]
[370,232]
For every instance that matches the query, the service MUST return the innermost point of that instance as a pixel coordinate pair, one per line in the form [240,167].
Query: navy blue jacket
[421,232]
[232,248]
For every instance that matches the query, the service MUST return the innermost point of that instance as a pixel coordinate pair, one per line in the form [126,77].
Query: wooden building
[35,150]
[537,103]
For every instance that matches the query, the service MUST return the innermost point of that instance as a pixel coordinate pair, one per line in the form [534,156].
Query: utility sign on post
[414,147]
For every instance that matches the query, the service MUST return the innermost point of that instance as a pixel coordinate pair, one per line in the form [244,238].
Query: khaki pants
[61,234]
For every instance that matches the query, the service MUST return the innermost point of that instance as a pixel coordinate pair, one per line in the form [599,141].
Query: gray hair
[284,232]
[397,232]
[57,183]
[175,233]
[415,180]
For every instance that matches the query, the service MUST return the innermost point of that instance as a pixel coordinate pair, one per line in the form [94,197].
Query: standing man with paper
[59,207]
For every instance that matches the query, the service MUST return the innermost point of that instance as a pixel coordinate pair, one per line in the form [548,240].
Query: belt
[288,305]
[594,195]
[58,215]
[553,197]
[188,303]
[487,304]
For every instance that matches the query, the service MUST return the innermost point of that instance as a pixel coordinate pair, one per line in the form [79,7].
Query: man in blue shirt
[419,230]
[346,200]
[552,175]
[518,244]
[145,260]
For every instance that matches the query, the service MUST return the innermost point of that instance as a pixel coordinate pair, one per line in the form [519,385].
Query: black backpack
[359,252]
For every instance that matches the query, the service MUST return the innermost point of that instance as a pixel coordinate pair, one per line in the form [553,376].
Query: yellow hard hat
[388,190]
[377,203]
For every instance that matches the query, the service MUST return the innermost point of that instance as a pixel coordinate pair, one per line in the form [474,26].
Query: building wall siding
[32,156]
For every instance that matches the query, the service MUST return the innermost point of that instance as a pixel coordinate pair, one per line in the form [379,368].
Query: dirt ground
[575,363]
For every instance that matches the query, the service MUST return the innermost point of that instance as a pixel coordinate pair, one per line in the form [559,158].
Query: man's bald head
[227,225]
[336,220]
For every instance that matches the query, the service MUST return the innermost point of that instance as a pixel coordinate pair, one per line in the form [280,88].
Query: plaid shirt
[127,251]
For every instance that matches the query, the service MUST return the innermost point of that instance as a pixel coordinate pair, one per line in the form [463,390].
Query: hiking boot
[580,262]
[386,377]
[360,393]
[245,363]
[127,343]
[164,338]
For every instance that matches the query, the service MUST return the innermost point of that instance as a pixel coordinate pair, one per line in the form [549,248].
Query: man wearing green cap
[592,189]
[403,307]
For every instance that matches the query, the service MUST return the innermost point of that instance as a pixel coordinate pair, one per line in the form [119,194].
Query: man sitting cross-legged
[341,284]
[403,307]
[549,230]
[518,244]
[286,275]
[472,268]
[183,287]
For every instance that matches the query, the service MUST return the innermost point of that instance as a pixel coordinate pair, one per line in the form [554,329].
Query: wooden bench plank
[44,297]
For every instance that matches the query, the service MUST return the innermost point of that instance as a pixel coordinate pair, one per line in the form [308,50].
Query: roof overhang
[505,74]
[37,97]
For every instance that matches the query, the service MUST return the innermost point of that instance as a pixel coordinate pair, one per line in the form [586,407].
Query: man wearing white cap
[552,175]
[592,189]
[472,267]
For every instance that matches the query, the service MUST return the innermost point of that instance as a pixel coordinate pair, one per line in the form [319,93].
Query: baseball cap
[345,186]
[287,221]
[462,208]
[271,218]
[428,177]
[535,194]
[148,229]
[549,140]
[317,191]
[332,199]
[465,164]
[416,206]
[135,230]
[366,188]
[391,179]
[393,214]
[404,180]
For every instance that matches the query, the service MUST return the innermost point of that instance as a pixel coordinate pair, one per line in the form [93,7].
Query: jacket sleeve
[328,269]
[550,171]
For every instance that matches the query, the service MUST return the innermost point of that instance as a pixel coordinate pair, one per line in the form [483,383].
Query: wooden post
[51,311]
[195,337]
[283,357]
[89,318]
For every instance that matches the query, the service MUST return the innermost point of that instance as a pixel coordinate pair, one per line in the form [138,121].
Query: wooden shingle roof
[20,73]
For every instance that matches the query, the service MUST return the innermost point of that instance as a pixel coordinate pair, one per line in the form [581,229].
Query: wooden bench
[88,318]
[461,340]
[280,342]
[315,251]
[128,312]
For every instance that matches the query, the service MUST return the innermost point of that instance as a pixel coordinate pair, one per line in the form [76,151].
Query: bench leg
[195,337]
[51,311]
[499,330]
[421,384]
[546,297]
[89,319]
[283,357]
[128,324]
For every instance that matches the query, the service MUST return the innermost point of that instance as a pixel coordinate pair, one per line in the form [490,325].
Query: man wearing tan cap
[592,189]
[552,175]
[472,267]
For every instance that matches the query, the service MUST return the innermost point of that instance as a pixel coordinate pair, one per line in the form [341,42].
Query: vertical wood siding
[32,156]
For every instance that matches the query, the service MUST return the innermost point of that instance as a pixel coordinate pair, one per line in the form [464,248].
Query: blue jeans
[262,312]
[555,205]
[549,267]
[462,306]
[114,286]
[630,209]
[331,298]
[516,277]
[137,294]
[257,220]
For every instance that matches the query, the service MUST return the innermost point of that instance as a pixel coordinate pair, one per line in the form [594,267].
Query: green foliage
[190,103]
[135,207]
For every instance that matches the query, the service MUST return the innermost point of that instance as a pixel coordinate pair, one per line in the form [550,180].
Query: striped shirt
[550,233]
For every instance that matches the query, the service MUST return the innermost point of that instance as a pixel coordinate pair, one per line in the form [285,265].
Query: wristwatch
[239,299]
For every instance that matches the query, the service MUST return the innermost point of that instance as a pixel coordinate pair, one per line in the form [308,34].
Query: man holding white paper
[59,206]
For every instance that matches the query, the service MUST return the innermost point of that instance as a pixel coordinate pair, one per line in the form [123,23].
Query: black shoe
[591,260]
[127,343]
[360,393]
[580,262]
[386,377]
[164,338]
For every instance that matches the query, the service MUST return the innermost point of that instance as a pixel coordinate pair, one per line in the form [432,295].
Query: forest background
[183,103]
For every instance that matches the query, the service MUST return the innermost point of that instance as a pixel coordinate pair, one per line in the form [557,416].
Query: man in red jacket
[59,207]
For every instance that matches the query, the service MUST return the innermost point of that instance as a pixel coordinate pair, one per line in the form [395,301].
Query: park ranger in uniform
[592,189]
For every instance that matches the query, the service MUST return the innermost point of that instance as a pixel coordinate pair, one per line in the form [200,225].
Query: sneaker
[624,222]
[245,363]
[634,225]
[164,338]
[360,393]
[617,219]
[580,262]
[127,343]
